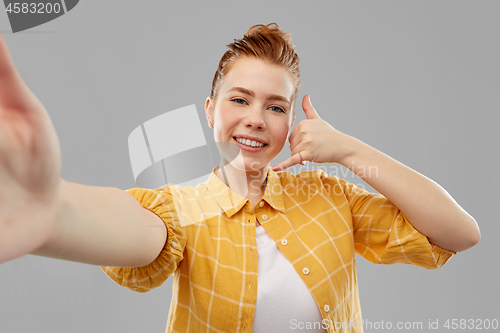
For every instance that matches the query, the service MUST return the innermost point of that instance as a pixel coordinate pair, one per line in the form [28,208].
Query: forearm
[428,207]
[103,226]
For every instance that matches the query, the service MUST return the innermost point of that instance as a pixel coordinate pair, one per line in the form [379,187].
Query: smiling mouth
[250,143]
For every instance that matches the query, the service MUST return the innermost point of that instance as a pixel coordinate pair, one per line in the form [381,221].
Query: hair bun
[269,29]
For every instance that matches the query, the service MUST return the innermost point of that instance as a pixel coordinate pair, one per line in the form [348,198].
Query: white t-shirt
[284,304]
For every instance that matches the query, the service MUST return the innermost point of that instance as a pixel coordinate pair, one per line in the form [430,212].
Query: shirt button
[326,308]
[261,203]
[250,287]
[305,270]
[264,217]
[284,241]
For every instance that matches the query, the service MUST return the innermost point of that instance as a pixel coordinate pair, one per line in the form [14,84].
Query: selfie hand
[30,164]
[313,139]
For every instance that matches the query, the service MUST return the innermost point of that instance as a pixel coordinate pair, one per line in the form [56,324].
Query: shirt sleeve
[143,279]
[383,235]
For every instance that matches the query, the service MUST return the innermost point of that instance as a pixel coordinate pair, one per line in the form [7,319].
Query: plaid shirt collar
[231,202]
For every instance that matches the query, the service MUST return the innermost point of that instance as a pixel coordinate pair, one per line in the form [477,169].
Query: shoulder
[167,195]
[188,191]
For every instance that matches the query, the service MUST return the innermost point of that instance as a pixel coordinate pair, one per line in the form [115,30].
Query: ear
[209,110]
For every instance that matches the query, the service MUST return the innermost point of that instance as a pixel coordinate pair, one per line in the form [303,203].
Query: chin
[234,156]
[240,164]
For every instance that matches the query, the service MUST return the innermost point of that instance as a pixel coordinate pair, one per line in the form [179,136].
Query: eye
[238,100]
[277,109]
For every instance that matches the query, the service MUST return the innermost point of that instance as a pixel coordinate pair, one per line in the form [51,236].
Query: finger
[308,108]
[14,94]
[289,162]
[294,133]
[299,148]
[295,141]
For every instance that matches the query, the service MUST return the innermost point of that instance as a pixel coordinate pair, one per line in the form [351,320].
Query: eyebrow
[251,93]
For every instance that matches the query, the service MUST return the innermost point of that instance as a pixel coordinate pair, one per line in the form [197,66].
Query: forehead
[259,76]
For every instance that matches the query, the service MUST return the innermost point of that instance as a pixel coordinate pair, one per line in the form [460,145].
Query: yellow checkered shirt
[318,223]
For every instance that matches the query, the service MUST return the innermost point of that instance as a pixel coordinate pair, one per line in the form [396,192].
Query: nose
[255,120]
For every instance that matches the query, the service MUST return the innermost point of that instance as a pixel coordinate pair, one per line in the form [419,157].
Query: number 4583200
[33,8]
[460,324]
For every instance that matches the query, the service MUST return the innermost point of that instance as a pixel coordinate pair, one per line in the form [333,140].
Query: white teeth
[249,143]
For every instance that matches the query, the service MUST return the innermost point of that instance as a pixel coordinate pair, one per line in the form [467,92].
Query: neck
[247,183]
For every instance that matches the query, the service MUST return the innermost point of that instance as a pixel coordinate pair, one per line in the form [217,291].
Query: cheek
[281,132]
[224,121]
[225,113]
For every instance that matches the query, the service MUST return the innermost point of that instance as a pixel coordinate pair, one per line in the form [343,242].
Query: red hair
[265,42]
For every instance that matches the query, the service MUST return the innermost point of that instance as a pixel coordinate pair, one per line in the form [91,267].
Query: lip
[247,148]
[249,137]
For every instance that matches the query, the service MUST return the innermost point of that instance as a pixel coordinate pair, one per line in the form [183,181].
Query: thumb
[13,91]
[309,108]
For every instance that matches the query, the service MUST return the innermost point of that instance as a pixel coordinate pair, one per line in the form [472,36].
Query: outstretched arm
[428,207]
[102,226]
[42,214]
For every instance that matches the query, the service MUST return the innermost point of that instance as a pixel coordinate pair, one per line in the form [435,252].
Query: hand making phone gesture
[314,140]
[443,221]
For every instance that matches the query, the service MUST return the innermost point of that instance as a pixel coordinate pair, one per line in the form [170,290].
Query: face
[252,113]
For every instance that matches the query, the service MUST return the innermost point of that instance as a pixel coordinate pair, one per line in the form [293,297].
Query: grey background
[418,80]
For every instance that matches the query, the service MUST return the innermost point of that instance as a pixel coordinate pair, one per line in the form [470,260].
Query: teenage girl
[252,249]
